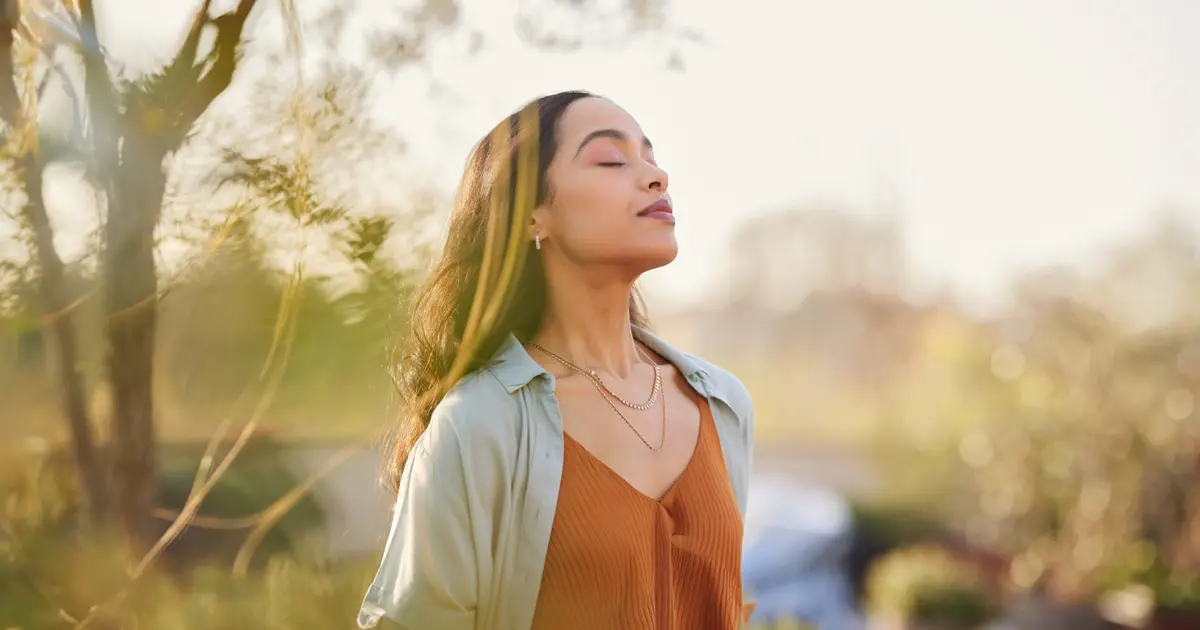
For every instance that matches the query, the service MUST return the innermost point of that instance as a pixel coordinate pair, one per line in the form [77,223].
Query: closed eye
[612,164]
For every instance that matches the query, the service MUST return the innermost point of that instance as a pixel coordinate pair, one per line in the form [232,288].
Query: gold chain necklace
[608,399]
[595,378]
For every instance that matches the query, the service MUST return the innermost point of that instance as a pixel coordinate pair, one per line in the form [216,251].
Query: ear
[538,223]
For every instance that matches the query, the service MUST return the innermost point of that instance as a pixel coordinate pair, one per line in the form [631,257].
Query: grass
[54,574]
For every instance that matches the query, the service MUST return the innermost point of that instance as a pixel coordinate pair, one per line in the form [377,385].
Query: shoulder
[477,414]
[477,398]
[728,387]
[719,382]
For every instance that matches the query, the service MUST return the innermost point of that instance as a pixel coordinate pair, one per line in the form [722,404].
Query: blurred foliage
[926,583]
[258,477]
[1077,454]
[216,327]
[51,571]
[954,606]
[1059,430]
[292,592]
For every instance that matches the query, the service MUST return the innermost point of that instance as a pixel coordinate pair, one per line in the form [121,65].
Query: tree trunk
[57,310]
[130,161]
[53,293]
[130,284]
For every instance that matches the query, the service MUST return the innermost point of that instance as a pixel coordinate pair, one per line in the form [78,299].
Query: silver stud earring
[537,241]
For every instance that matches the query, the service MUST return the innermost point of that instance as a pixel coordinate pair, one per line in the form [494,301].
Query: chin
[653,256]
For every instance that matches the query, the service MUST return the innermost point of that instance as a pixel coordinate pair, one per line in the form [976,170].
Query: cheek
[592,207]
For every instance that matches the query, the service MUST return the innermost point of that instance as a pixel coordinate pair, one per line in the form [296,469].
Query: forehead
[589,114]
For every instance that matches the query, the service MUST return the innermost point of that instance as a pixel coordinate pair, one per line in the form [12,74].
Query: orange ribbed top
[618,559]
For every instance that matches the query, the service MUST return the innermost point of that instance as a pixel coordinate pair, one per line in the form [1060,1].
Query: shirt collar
[513,366]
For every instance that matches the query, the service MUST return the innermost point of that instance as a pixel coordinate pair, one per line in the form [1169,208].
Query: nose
[656,178]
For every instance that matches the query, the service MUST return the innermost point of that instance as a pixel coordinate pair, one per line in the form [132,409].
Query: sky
[1009,134]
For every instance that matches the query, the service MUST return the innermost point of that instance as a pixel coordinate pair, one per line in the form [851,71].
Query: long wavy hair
[485,285]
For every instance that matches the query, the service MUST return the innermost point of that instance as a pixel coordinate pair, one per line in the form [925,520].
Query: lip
[660,210]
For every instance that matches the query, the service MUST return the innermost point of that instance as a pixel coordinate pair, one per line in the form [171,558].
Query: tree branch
[220,73]
[72,96]
[43,84]
[187,52]
[184,65]
[101,101]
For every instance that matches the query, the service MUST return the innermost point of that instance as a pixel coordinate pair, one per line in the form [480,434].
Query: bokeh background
[952,248]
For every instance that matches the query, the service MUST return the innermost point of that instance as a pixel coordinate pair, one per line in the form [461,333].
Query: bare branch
[271,516]
[184,65]
[220,73]
[187,52]
[43,84]
[100,98]
[72,96]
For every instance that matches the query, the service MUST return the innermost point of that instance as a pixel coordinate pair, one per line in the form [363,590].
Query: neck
[587,321]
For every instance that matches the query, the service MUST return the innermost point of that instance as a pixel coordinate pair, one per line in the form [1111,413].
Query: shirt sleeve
[427,577]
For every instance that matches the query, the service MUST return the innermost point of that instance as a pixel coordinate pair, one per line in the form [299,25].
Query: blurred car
[795,559]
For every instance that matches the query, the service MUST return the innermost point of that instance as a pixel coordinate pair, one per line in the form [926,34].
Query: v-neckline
[661,501]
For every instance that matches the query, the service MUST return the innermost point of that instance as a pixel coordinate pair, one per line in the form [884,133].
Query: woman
[561,466]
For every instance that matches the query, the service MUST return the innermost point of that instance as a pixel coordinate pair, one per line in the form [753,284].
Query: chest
[647,449]
[524,532]
[670,562]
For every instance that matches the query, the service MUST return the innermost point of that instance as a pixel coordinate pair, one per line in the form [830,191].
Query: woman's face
[608,202]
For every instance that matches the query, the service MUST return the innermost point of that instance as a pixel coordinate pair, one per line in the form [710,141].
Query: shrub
[927,583]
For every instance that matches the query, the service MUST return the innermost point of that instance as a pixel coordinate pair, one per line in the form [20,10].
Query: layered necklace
[610,396]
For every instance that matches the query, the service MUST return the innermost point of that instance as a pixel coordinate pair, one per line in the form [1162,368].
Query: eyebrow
[615,134]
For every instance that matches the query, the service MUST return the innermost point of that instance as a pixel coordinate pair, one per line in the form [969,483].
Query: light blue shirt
[477,495]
